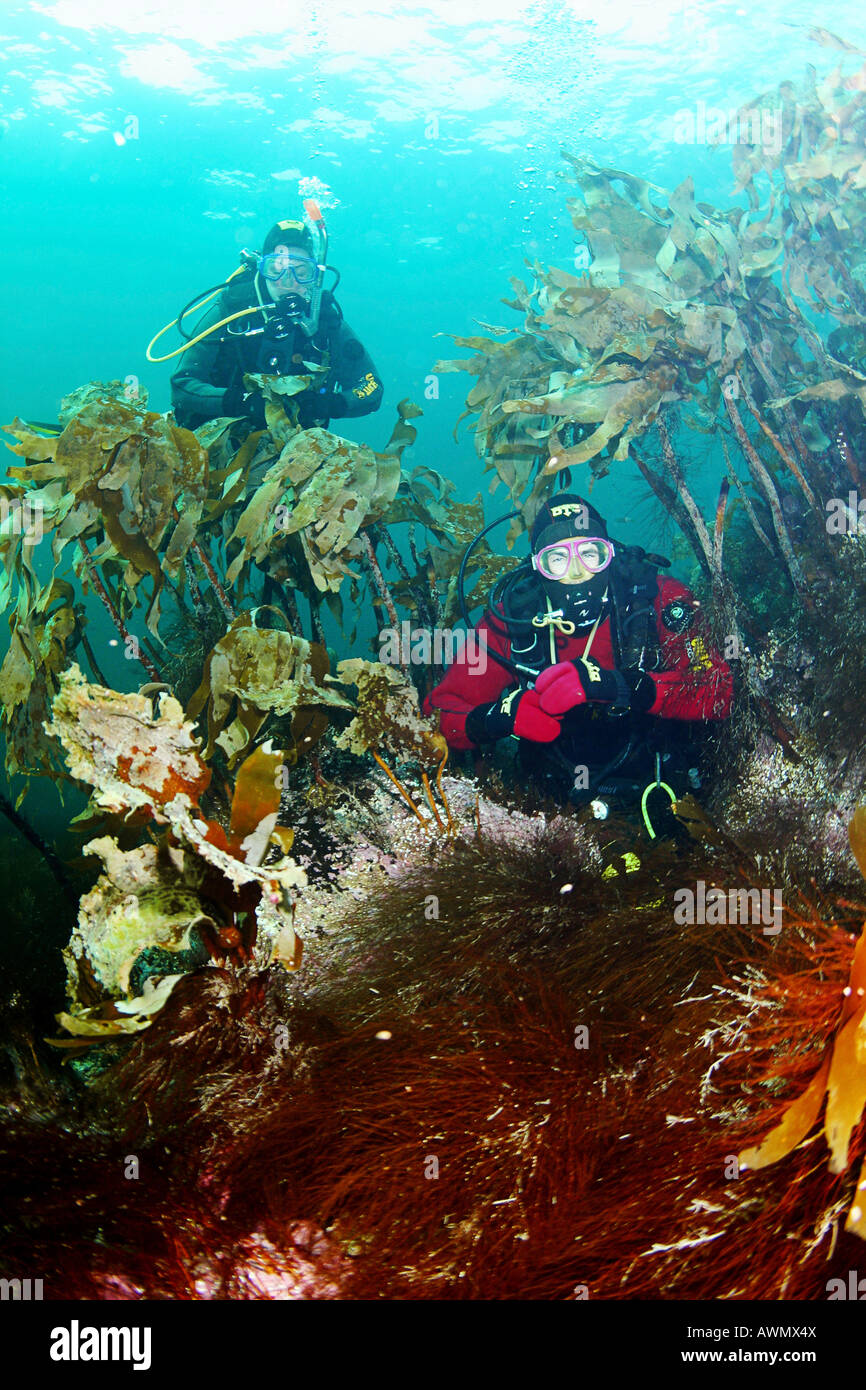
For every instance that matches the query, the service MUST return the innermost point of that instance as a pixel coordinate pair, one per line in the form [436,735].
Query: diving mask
[554,561]
[278,265]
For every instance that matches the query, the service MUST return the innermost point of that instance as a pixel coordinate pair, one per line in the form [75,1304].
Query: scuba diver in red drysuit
[596,665]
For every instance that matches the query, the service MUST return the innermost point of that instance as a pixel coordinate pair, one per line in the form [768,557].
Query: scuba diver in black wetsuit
[591,662]
[274,317]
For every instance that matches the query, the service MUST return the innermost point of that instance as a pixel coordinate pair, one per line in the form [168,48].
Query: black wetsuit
[209,382]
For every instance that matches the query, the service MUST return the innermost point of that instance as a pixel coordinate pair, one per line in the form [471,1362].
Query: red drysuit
[695,682]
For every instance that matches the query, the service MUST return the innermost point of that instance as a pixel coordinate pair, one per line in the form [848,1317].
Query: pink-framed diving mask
[554,561]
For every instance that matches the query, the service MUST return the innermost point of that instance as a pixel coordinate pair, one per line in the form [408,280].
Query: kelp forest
[378,1022]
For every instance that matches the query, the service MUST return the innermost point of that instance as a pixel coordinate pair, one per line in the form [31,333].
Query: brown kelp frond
[266,671]
[388,716]
[186,532]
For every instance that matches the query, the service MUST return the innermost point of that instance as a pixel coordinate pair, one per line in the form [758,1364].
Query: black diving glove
[571,683]
[254,409]
[515,712]
[320,405]
[330,403]
[250,405]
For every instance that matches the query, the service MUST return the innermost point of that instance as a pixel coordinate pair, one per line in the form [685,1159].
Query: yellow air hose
[241,313]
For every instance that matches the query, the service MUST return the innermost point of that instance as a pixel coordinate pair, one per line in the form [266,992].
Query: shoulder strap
[634,632]
[240,292]
[527,644]
[330,314]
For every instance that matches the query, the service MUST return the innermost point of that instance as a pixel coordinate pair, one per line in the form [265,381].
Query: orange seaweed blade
[857,837]
[856,1222]
[794,1125]
[257,792]
[846,1089]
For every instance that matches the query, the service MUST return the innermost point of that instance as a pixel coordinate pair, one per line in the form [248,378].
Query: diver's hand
[248,405]
[515,712]
[571,683]
[321,405]
[253,408]
[233,400]
[332,404]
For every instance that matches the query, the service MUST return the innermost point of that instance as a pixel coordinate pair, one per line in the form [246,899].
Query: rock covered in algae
[137,903]
[133,758]
[147,899]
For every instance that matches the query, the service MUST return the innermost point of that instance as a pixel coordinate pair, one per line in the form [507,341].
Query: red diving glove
[571,683]
[516,712]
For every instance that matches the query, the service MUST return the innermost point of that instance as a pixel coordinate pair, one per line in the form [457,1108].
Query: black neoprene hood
[563,517]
